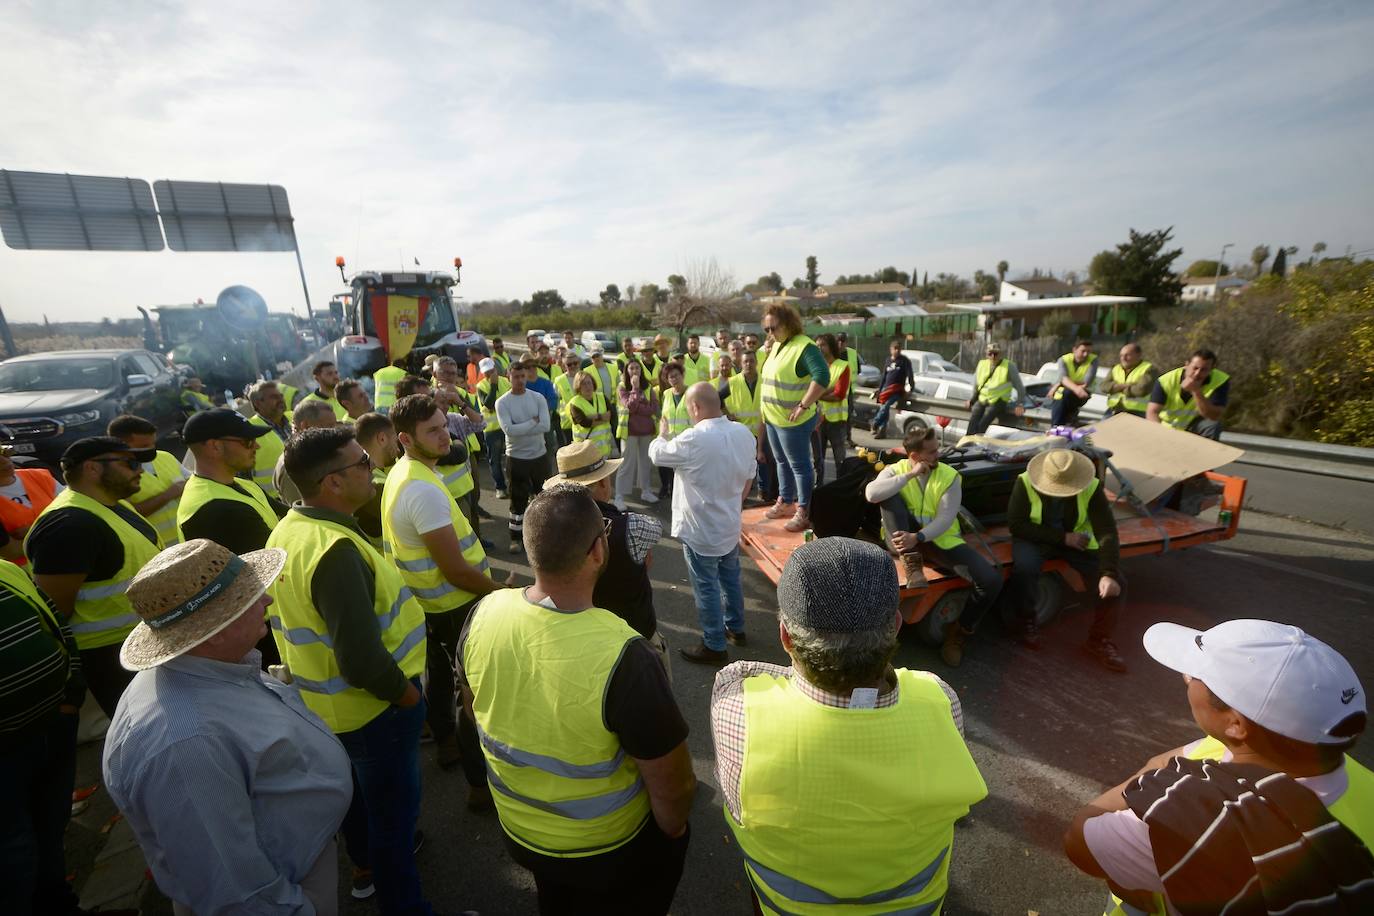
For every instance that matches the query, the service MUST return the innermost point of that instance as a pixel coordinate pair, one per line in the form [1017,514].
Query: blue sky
[572,144]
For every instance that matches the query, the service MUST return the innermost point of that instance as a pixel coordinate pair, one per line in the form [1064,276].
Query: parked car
[49,400]
[607,341]
[869,374]
[924,362]
[1095,409]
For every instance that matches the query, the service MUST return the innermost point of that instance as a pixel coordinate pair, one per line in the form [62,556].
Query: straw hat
[1061,472]
[190,592]
[582,462]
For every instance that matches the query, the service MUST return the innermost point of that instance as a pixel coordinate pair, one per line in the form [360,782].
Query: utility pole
[1216,281]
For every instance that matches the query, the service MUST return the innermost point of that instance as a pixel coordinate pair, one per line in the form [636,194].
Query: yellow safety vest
[1354,809]
[675,409]
[1078,374]
[474,444]
[851,810]
[102,615]
[695,370]
[611,371]
[653,372]
[600,433]
[384,387]
[836,411]
[303,639]
[166,471]
[783,388]
[457,478]
[562,783]
[924,504]
[194,400]
[1084,524]
[563,385]
[417,567]
[1121,377]
[201,490]
[340,412]
[483,389]
[1178,413]
[744,405]
[993,385]
[851,356]
[291,393]
[502,361]
[270,448]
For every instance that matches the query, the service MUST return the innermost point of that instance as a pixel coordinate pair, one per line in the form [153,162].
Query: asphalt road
[1049,730]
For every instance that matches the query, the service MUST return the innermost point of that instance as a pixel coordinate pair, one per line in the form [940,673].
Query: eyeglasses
[769,328]
[133,463]
[605,532]
[246,443]
[363,462]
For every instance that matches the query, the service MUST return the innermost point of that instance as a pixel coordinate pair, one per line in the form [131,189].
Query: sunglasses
[605,532]
[246,443]
[133,463]
[363,462]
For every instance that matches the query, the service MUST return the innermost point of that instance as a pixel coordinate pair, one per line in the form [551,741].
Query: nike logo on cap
[1348,694]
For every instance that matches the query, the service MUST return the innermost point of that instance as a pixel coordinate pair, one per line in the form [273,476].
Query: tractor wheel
[1048,595]
[931,627]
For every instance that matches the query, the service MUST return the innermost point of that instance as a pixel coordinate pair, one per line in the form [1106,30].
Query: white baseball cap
[1274,674]
[486,365]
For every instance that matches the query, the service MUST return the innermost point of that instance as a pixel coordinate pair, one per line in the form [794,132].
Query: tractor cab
[224,355]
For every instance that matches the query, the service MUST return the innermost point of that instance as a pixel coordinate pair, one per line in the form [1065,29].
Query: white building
[1036,288]
[1204,289]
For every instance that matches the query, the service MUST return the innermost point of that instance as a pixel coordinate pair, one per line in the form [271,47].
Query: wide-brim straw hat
[190,592]
[1061,472]
[582,462]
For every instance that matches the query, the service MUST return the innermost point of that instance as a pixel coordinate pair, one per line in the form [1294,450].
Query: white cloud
[575,144]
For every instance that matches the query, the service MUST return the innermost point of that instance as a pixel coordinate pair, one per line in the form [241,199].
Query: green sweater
[40,668]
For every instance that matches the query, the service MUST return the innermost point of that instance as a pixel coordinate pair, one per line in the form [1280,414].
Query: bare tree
[704,294]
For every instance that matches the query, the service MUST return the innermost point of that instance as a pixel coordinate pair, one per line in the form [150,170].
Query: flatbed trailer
[943,596]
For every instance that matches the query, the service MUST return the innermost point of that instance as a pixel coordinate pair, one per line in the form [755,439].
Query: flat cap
[839,584]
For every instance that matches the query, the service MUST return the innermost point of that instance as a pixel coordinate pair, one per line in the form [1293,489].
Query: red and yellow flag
[397,320]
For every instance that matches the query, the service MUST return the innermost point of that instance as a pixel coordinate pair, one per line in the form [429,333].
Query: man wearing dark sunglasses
[85,548]
[222,503]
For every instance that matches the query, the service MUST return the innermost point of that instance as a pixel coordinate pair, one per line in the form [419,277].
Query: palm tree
[1002,268]
[1317,250]
[1258,256]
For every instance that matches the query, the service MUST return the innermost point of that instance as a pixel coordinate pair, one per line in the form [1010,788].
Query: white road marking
[1295,570]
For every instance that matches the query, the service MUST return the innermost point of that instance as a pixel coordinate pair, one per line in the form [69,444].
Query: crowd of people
[277,622]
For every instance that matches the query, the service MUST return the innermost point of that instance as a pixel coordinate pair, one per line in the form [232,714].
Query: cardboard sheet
[1154,457]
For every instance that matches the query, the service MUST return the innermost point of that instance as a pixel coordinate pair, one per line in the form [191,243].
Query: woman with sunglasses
[795,377]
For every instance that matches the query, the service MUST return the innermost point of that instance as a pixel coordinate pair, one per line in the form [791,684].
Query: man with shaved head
[713,461]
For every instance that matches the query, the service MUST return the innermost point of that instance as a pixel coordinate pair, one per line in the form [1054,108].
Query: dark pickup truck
[49,400]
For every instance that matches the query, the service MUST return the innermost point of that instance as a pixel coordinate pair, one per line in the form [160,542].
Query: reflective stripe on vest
[302,636]
[103,615]
[384,387]
[1120,398]
[483,389]
[563,784]
[1084,524]
[783,388]
[600,432]
[418,569]
[1078,374]
[270,448]
[201,490]
[836,411]
[166,471]
[743,405]
[563,385]
[1178,413]
[819,778]
[925,504]
[993,385]
[457,478]
[675,409]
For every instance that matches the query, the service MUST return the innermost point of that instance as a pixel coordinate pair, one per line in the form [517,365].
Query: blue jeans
[496,456]
[36,779]
[792,449]
[710,577]
[379,829]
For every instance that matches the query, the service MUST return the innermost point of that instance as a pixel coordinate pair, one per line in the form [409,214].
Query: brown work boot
[448,753]
[952,651]
[915,569]
[779,510]
[1105,653]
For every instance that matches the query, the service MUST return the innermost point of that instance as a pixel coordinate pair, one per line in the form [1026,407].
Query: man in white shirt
[713,463]
[524,418]
[1267,696]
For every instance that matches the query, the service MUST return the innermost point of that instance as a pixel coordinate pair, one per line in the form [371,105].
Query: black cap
[94,446]
[220,423]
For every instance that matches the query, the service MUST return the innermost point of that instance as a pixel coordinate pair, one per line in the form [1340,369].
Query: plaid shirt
[642,532]
[728,723]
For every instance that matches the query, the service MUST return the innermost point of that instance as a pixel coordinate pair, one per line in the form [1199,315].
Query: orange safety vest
[40,487]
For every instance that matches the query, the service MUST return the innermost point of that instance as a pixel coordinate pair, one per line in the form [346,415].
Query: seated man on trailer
[920,499]
[1059,510]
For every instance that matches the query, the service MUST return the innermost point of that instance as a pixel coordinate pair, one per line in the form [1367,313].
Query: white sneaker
[619,504]
[502,494]
[648,496]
